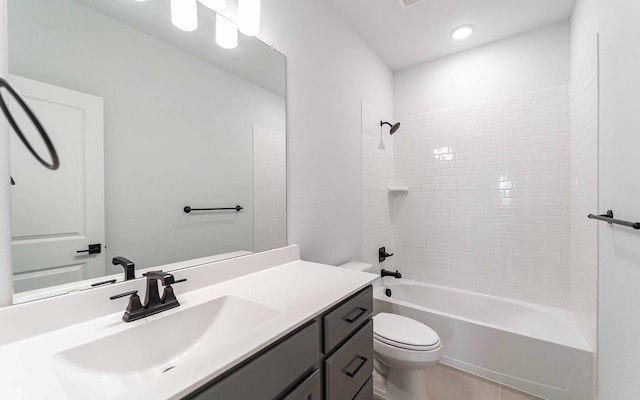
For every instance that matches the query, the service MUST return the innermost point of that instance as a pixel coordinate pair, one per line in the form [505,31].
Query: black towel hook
[55,161]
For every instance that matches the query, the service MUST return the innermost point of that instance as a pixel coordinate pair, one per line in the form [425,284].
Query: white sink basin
[111,366]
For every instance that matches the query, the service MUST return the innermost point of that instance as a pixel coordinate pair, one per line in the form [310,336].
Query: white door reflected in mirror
[55,214]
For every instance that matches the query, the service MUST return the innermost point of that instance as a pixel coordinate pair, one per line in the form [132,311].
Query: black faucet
[152,298]
[396,274]
[153,303]
[128,265]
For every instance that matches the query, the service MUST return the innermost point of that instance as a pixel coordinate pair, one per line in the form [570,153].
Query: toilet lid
[404,332]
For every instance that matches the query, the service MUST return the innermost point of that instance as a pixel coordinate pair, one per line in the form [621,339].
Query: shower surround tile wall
[584,197]
[488,207]
[269,189]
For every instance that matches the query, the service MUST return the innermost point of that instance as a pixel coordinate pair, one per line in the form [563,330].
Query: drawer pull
[358,311]
[363,361]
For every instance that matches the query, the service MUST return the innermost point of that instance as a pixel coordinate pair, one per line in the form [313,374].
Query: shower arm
[392,127]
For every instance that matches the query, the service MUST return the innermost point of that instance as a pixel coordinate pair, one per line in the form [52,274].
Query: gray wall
[178,130]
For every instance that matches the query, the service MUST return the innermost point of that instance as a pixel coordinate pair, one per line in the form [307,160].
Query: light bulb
[216,5]
[226,33]
[184,14]
[462,32]
[249,17]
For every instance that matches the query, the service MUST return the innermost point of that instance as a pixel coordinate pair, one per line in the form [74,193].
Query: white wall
[6,273]
[523,63]
[178,130]
[619,190]
[618,327]
[329,70]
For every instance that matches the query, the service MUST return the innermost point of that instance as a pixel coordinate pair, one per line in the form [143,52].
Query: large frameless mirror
[147,120]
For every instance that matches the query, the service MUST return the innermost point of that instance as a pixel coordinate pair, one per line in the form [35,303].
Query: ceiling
[405,37]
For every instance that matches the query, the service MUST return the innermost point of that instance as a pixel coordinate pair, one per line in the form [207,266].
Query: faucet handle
[168,296]
[117,296]
[134,308]
[382,254]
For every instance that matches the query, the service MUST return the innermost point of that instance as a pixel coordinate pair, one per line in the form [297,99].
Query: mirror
[147,119]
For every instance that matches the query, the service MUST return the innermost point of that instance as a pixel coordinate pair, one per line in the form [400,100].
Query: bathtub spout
[396,274]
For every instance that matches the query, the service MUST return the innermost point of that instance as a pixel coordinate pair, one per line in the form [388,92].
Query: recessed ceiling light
[462,32]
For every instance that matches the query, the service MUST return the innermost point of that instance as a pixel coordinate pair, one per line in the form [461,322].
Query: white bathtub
[533,348]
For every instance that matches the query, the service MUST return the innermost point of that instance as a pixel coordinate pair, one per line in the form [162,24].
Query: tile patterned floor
[446,383]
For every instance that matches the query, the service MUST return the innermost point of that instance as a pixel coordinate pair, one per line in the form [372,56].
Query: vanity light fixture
[226,33]
[249,17]
[184,14]
[215,5]
[462,32]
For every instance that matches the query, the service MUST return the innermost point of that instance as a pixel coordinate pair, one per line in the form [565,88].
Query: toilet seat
[405,333]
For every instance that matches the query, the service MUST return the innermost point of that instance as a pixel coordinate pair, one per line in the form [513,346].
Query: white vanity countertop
[298,291]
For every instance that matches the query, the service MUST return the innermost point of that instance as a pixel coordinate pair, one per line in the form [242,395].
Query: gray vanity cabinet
[310,389]
[346,318]
[351,366]
[270,373]
[366,393]
[331,358]
[348,348]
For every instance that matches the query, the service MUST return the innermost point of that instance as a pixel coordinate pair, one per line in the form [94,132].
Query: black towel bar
[608,217]
[188,209]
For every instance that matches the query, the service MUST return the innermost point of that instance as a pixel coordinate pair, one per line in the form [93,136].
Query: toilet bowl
[404,349]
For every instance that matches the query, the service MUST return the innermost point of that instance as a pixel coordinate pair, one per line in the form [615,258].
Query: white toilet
[404,349]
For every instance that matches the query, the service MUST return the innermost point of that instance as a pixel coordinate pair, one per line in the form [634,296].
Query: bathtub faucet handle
[382,254]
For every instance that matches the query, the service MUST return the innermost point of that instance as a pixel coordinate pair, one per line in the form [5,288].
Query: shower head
[394,127]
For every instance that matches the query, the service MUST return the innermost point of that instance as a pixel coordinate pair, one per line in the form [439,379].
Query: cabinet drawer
[341,322]
[366,393]
[308,390]
[349,368]
[269,374]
